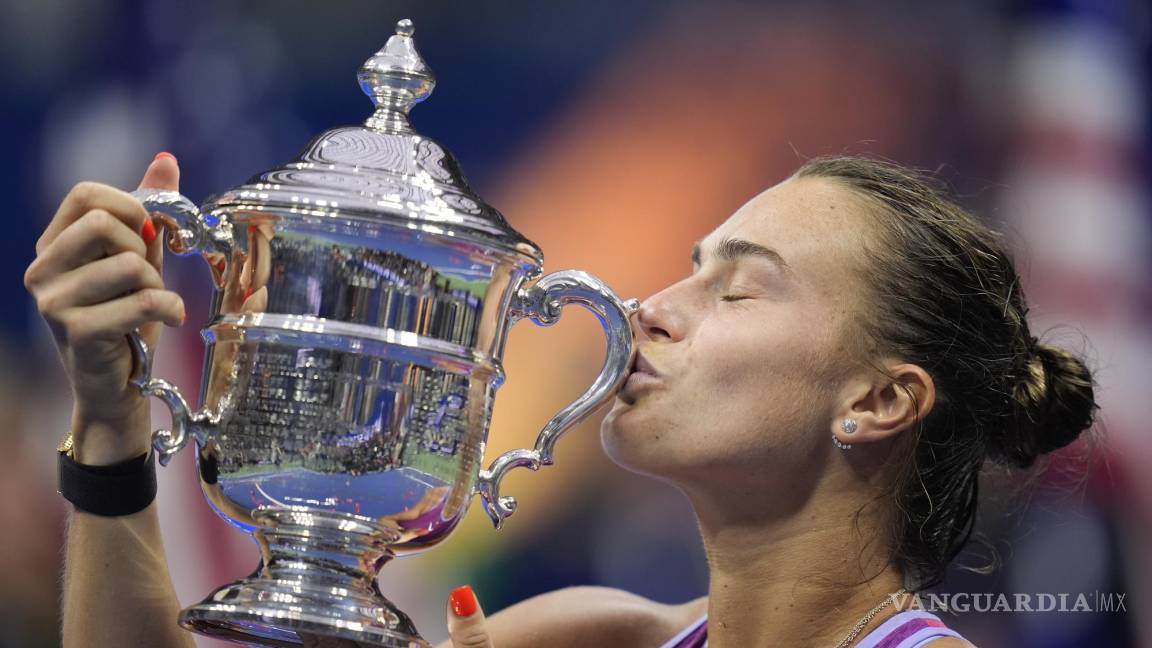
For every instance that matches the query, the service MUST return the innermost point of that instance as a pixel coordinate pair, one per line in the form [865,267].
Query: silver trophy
[363,298]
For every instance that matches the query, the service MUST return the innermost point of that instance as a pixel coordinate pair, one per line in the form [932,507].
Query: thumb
[162,173]
[466,624]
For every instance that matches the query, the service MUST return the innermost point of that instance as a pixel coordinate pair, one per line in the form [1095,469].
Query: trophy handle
[166,443]
[190,231]
[542,303]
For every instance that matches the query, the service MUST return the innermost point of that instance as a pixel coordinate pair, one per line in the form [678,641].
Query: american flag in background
[1077,197]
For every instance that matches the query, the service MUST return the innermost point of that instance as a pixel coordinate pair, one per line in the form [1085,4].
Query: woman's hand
[96,277]
[466,625]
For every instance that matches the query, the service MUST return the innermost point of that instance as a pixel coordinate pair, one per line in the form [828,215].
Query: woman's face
[747,358]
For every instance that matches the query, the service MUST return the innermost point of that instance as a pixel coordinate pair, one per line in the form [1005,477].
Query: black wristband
[119,489]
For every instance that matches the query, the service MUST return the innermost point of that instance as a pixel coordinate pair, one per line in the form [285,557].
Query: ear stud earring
[848,425]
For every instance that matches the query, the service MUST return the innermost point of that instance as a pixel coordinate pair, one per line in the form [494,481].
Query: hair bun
[1054,401]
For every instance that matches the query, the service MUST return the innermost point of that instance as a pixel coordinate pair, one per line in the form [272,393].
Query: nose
[656,320]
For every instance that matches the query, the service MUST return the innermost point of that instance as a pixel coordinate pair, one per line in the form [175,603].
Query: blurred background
[614,134]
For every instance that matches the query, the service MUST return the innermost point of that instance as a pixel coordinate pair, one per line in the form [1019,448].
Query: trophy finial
[396,78]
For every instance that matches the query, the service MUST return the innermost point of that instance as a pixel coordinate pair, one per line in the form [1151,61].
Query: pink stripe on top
[908,629]
[694,636]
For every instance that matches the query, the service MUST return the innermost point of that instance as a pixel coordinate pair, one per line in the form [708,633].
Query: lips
[642,375]
[640,364]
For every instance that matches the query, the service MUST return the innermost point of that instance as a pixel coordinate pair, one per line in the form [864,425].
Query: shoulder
[583,616]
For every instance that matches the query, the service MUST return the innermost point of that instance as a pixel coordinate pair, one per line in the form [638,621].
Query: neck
[803,577]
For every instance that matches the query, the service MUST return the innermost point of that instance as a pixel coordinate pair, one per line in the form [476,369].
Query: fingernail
[164,154]
[148,232]
[248,293]
[463,600]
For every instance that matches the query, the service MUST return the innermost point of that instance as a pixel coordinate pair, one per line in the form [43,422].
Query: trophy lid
[383,170]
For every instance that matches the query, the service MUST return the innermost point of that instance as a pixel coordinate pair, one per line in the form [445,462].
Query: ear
[887,404]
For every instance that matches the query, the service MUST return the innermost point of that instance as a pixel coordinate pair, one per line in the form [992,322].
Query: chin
[634,439]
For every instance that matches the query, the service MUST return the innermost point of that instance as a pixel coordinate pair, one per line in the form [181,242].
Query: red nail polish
[164,154]
[248,293]
[148,232]
[463,601]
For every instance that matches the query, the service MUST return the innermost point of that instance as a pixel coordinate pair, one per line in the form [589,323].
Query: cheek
[750,392]
[770,387]
[738,399]
[759,368]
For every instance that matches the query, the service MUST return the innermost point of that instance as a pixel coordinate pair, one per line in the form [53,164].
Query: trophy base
[258,612]
[317,580]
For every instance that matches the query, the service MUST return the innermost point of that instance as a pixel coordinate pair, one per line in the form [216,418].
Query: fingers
[100,245]
[85,197]
[111,320]
[88,196]
[95,235]
[466,623]
[99,281]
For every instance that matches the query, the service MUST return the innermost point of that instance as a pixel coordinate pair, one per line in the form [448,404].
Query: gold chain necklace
[871,615]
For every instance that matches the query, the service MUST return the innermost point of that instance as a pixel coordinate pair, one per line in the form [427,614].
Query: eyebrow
[731,249]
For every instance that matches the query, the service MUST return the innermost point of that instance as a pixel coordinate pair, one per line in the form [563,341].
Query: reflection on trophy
[363,298]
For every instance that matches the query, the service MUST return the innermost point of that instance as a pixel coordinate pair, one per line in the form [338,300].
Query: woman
[824,387]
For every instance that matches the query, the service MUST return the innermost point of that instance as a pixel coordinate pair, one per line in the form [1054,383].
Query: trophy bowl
[363,296]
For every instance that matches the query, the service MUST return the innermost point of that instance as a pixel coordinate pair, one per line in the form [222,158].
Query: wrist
[102,442]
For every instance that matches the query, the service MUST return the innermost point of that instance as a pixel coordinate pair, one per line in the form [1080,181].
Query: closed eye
[732,298]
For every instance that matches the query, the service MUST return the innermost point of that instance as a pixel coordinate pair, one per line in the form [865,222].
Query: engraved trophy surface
[363,297]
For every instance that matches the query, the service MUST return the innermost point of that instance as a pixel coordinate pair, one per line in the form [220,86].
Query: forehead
[813,223]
